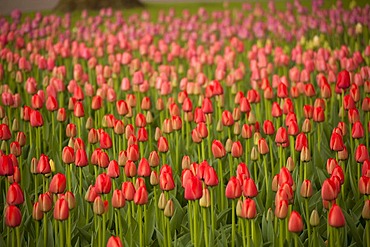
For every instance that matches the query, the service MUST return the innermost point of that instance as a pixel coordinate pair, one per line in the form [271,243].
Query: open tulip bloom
[242,126]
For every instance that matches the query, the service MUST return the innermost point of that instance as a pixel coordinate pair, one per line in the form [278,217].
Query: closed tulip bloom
[130,169]
[205,200]
[6,166]
[282,90]
[36,119]
[249,209]
[364,185]
[122,107]
[285,177]
[141,196]
[249,188]
[281,209]
[78,109]
[193,188]
[210,176]
[336,142]
[233,188]
[105,141]
[68,155]
[357,130]
[306,189]
[153,159]
[305,154]
[338,172]
[58,183]
[169,209]
[343,80]
[37,213]
[71,130]
[227,118]
[14,195]
[45,202]
[162,144]
[118,199]
[91,194]
[336,217]
[81,159]
[187,105]
[143,169]
[237,149]
[361,154]
[103,184]
[318,114]
[128,190]
[140,120]
[113,169]
[295,222]
[263,147]
[98,206]
[366,210]
[301,142]
[43,165]
[281,136]
[268,127]
[61,210]
[329,190]
[195,136]
[12,216]
[114,241]
[133,152]
[218,149]
[166,182]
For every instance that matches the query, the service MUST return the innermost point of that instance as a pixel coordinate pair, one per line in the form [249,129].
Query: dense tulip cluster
[245,127]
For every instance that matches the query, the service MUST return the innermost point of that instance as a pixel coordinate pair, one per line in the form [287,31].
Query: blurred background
[6,6]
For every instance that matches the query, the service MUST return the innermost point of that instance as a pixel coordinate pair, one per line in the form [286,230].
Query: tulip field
[241,125]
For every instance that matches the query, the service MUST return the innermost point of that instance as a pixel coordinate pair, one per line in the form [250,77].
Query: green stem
[220,195]
[13,238]
[37,226]
[367,232]
[205,226]
[103,231]
[308,220]
[116,221]
[295,240]
[195,218]
[168,232]
[247,224]
[19,240]
[61,237]
[80,187]
[212,211]
[140,219]
[145,223]
[281,233]
[233,223]
[45,230]
[190,219]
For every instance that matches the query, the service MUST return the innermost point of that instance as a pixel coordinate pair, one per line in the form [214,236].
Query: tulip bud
[141,196]
[366,210]
[118,200]
[336,217]
[205,200]
[162,201]
[295,222]
[306,189]
[254,154]
[169,209]
[13,216]
[98,206]
[37,213]
[114,241]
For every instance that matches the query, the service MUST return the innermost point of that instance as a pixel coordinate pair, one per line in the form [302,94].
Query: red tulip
[362,153]
[336,142]
[37,214]
[71,130]
[105,140]
[12,216]
[248,209]
[281,136]
[233,188]
[281,209]
[193,188]
[336,217]
[114,241]
[118,199]
[61,210]
[162,144]
[249,188]
[218,149]
[306,189]
[81,158]
[237,149]
[268,127]
[295,222]
[143,169]
[128,190]
[263,147]
[343,80]
[141,196]
[98,206]
[364,185]
[113,169]
[210,177]
[14,195]
[68,155]
[36,119]
[130,169]
[166,181]
[45,202]
[58,183]
[329,190]
[78,109]
[227,118]
[103,184]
